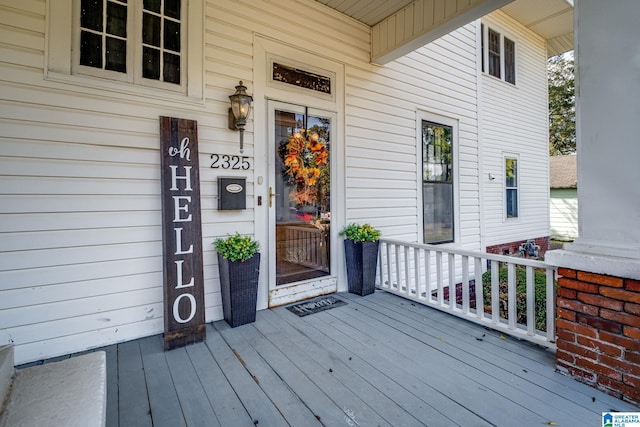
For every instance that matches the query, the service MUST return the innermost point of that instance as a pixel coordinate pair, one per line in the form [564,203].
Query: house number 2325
[225,161]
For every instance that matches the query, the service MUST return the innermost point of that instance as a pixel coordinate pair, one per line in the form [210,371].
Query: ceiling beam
[424,21]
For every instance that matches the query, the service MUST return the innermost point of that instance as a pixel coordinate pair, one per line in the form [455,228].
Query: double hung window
[499,54]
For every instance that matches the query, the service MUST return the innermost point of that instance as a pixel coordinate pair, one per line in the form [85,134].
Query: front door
[300,171]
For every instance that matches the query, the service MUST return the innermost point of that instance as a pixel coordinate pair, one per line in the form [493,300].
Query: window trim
[422,115]
[60,55]
[505,157]
[485,28]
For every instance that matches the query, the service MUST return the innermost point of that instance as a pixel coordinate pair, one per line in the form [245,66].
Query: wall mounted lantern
[240,110]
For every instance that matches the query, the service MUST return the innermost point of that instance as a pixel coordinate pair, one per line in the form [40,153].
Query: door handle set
[271,195]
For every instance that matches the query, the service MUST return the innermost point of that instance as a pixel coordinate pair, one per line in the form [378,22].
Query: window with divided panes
[499,53]
[110,40]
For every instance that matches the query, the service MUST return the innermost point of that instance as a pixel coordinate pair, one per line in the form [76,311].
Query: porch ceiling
[401,26]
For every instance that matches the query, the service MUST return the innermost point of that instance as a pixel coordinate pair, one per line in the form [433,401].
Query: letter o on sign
[176,307]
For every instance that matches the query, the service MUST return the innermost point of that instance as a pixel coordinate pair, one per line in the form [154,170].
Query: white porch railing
[451,280]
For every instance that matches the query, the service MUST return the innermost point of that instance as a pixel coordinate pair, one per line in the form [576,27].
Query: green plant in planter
[239,267]
[361,255]
[237,247]
[360,233]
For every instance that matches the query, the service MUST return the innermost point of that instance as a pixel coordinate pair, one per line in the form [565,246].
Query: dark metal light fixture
[240,110]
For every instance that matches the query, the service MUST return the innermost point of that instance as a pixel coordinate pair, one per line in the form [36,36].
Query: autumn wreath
[305,155]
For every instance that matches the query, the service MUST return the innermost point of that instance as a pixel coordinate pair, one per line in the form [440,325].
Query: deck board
[133,402]
[111,353]
[278,392]
[222,397]
[162,393]
[379,360]
[254,400]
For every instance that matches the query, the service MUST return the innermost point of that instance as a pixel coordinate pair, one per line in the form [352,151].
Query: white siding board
[78,255]
[77,220]
[86,288]
[564,214]
[65,274]
[98,190]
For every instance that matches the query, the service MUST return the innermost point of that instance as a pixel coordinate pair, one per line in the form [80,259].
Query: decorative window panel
[301,78]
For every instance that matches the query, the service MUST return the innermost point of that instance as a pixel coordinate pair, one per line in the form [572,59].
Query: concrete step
[6,372]
[70,393]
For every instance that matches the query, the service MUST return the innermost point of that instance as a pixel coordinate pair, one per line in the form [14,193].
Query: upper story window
[151,48]
[498,55]
[511,187]
[136,39]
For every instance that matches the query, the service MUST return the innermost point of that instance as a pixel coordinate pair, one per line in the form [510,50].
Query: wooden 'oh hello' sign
[181,233]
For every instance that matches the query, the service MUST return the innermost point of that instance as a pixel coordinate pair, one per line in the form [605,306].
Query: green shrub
[360,233]
[236,247]
[540,295]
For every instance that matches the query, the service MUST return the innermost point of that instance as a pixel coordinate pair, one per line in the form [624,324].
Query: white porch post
[608,137]
[598,295]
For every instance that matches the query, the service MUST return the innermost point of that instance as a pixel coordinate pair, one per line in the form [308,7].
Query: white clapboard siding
[564,213]
[80,228]
[514,123]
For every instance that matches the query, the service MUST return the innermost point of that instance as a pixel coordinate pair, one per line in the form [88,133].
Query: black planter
[239,288]
[362,260]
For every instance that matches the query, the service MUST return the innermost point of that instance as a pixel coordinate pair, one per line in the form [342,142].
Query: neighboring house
[443,144]
[563,172]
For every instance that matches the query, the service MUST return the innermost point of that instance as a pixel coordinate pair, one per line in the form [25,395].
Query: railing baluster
[465,284]
[407,266]
[380,275]
[416,272]
[511,296]
[427,274]
[439,278]
[531,304]
[479,289]
[389,276]
[398,269]
[452,281]
[495,293]
[551,305]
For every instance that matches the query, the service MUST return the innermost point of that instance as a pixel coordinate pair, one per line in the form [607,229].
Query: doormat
[315,306]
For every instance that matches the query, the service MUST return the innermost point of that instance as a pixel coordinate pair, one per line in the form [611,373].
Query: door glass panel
[437,182]
[302,185]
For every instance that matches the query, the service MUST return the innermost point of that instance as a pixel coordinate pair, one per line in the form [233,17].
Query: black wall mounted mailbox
[232,193]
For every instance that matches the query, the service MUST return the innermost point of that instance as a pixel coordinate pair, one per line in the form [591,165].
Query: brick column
[598,331]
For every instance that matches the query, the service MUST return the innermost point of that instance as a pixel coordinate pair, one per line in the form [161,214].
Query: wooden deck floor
[377,361]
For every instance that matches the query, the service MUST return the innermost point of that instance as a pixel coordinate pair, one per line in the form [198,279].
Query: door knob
[271,194]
